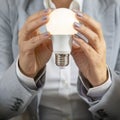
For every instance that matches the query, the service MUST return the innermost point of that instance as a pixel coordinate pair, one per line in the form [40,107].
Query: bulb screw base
[61,60]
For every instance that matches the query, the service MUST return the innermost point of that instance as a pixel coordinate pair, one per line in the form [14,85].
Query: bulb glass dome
[61,22]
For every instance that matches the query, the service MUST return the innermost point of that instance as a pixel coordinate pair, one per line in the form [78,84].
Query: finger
[90,22]
[34,33]
[92,37]
[38,15]
[31,27]
[75,45]
[49,45]
[86,48]
[76,49]
[35,41]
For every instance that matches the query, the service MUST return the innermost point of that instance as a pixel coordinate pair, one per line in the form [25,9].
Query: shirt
[62,82]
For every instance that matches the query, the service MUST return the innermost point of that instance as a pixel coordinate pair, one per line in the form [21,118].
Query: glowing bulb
[60,25]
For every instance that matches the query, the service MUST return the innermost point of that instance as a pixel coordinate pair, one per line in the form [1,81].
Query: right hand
[35,48]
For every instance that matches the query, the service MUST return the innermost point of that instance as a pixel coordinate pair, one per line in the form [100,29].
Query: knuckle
[26,29]
[88,48]
[88,18]
[40,14]
[84,29]
[37,22]
[95,38]
[33,40]
[98,25]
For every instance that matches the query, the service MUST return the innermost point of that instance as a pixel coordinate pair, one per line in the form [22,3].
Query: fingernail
[77,24]
[44,18]
[82,37]
[74,10]
[79,14]
[76,36]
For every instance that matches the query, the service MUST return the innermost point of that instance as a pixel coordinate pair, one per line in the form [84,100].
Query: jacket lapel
[27,8]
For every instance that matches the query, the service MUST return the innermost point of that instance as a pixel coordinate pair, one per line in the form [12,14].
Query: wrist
[102,79]
[26,69]
[39,73]
[40,78]
[32,83]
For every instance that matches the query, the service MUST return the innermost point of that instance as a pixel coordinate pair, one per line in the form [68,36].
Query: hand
[34,48]
[90,57]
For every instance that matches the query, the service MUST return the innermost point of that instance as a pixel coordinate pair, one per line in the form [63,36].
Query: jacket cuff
[28,81]
[95,93]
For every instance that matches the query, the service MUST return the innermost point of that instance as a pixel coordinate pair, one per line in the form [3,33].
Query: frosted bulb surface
[61,22]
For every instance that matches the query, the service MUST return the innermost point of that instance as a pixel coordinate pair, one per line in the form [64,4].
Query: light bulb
[60,25]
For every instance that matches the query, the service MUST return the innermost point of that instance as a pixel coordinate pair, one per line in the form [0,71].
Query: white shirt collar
[76,4]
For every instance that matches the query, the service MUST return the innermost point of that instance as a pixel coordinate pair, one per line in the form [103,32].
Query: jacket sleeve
[14,95]
[108,106]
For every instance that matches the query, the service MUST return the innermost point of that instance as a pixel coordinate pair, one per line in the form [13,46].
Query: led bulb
[61,22]
[60,25]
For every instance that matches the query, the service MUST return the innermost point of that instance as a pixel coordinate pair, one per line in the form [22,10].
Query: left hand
[90,57]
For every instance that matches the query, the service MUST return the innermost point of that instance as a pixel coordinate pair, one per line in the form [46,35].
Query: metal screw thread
[61,60]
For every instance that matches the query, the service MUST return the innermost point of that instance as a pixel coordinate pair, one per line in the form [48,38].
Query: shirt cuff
[25,79]
[97,92]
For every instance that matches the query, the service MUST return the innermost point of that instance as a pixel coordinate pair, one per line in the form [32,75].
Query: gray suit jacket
[16,97]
